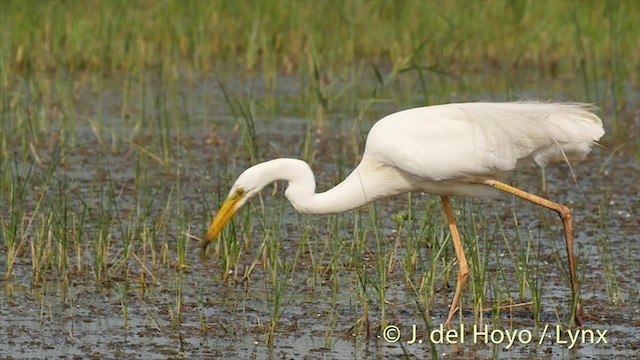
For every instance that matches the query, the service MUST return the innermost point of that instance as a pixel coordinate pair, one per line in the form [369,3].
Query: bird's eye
[239,192]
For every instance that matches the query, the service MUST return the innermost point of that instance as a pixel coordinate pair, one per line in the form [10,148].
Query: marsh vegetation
[124,124]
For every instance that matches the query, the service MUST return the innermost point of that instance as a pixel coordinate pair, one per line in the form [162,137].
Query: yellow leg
[463,268]
[565,215]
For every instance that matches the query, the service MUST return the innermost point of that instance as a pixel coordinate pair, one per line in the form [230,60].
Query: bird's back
[457,141]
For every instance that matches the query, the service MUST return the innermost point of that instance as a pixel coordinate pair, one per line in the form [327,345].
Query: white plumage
[440,147]
[453,141]
[453,149]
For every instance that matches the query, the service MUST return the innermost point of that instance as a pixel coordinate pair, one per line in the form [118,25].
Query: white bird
[453,149]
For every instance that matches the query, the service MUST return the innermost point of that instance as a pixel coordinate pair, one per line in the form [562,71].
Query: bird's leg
[463,268]
[565,215]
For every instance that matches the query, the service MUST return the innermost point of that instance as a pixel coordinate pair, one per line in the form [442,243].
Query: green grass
[286,36]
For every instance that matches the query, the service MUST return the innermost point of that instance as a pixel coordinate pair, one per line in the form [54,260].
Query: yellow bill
[224,215]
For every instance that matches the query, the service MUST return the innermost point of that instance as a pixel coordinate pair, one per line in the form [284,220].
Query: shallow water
[191,312]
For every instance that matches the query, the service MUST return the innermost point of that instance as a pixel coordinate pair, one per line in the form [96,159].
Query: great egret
[453,149]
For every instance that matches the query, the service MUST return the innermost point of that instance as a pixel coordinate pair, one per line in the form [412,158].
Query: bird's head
[248,184]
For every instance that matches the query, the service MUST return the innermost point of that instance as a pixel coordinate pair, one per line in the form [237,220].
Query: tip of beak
[204,243]
[208,237]
[224,215]
[206,240]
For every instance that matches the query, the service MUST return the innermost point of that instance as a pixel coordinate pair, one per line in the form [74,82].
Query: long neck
[359,188]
